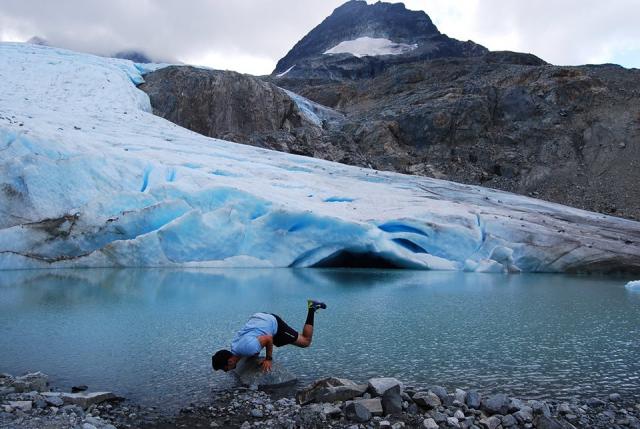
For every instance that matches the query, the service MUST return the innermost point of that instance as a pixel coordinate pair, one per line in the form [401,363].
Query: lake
[148,334]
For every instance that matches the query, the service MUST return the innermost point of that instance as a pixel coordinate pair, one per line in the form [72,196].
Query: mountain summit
[357,36]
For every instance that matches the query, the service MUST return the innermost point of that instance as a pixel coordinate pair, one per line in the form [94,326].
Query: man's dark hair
[220,359]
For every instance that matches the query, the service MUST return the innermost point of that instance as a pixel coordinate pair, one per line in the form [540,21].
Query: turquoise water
[149,334]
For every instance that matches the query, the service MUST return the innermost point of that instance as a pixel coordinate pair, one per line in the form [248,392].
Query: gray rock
[32,381]
[458,415]
[86,399]
[473,399]
[427,400]
[515,405]
[331,411]
[615,397]
[374,406]
[460,395]
[249,373]
[6,390]
[439,417]
[356,411]
[21,405]
[330,390]
[496,404]
[595,403]
[441,393]
[88,426]
[453,422]
[258,414]
[53,398]
[545,422]
[377,386]
[392,400]
[509,421]
[564,408]
[540,407]
[490,422]
[524,416]
[429,424]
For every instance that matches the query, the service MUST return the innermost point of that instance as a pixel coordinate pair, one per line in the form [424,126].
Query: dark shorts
[285,333]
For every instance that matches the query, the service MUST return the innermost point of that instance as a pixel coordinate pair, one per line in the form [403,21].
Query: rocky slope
[446,109]
[233,106]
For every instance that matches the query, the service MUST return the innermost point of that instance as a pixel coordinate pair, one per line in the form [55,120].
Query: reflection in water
[149,334]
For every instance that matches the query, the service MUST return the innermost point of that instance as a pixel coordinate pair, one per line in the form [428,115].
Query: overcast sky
[251,35]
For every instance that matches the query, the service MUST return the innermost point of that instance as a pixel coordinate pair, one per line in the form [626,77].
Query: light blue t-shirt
[246,341]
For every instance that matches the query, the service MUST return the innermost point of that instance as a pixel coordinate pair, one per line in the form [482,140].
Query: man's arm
[266,341]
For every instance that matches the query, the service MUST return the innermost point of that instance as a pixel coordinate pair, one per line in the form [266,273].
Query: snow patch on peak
[368,46]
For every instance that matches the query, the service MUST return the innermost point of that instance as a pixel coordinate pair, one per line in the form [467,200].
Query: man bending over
[265,330]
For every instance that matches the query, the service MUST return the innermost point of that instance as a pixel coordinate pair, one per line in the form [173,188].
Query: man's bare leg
[304,339]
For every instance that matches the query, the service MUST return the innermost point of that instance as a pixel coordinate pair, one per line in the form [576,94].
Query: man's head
[224,360]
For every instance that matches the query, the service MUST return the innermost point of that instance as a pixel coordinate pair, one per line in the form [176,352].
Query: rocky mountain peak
[356,19]
[359,40]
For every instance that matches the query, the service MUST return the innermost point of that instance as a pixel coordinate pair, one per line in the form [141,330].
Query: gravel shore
[29,402]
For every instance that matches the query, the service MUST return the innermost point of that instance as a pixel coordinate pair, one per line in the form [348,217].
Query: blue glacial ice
[89,177]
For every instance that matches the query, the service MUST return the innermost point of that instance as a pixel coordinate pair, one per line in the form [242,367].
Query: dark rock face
[355,19]
[230,106]
[505,121]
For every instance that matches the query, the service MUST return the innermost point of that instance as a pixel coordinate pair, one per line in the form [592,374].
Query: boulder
[540,407]
[473,399]
[490,422]
[392,400]
[249,374]
[427,400]
[377,386]
[30,382]
[441,393]
[356,411]
[460,395]
[545,422]
[86,399]
[330,390]
[21,405]
[496,404]
[429,424]
[374,406]
[54,401]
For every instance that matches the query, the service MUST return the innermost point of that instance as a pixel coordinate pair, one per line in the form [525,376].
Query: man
[264,330]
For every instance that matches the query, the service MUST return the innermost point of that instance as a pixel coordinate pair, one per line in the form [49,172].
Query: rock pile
[387,403]
[28,402]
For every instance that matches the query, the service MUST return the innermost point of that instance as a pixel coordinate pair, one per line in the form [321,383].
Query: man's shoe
[315,305]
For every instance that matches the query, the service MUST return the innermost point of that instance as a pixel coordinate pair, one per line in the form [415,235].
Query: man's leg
[304,339]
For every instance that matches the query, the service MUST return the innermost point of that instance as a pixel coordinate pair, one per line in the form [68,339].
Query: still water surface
[149,334]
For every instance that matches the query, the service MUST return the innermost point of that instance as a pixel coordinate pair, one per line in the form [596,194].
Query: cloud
[251,35]
[568,32]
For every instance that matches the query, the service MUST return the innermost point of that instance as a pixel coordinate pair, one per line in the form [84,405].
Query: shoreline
[30,402]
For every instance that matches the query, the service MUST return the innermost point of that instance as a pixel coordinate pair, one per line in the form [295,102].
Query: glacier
[89,177]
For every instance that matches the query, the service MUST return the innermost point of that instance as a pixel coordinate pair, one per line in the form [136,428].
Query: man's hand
[266,365]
